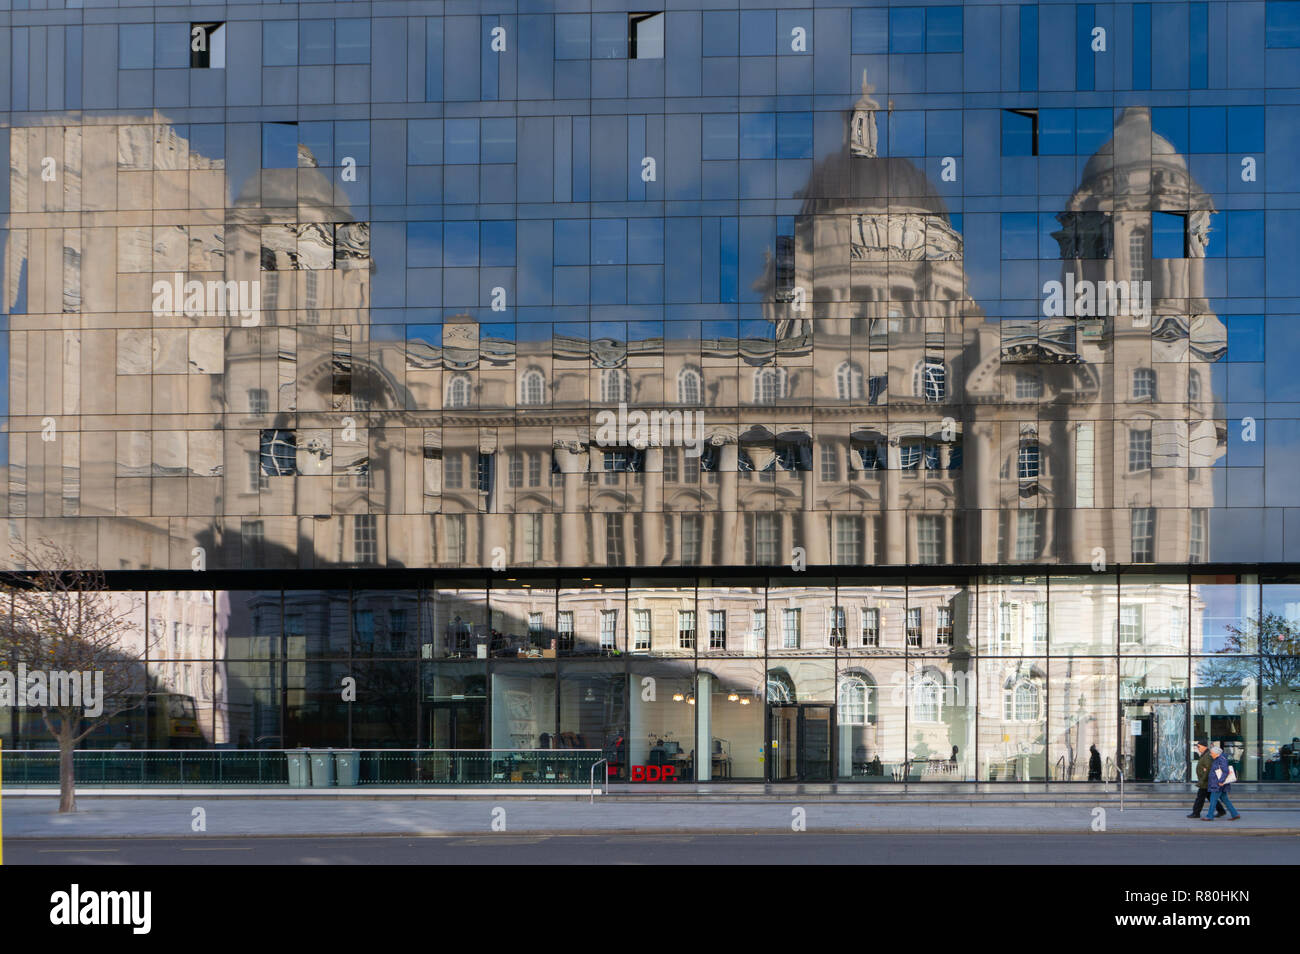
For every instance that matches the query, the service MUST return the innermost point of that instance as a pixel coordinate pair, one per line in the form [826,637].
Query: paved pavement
[665,849]
[36,817]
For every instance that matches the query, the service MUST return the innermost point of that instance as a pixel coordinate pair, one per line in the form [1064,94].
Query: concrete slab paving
[36,817]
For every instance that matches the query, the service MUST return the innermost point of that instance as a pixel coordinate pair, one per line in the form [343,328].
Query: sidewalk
[36,817]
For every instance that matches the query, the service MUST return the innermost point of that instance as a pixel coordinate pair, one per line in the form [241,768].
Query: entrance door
[459,724]
[1141,748]
[1170,732]
[1155,741]
[799,743]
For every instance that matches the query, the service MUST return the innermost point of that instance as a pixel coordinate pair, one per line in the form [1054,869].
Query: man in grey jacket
[1219,786]
[1204,758]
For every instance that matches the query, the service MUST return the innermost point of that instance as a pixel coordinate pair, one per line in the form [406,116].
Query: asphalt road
[683,849]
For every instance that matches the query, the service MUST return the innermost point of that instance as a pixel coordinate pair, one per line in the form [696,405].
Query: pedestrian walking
[1222,776]
[1094,764]
[1203,762]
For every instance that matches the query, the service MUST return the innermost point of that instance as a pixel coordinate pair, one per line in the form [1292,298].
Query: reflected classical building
[892,555]
[868,414]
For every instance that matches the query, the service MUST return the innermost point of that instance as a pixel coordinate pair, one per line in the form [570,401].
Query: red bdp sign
[654,773]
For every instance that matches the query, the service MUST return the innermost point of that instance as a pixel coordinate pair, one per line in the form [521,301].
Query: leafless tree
[1277,641]
[64,619]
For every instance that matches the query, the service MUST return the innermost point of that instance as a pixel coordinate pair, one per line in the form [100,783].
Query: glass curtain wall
[921,678]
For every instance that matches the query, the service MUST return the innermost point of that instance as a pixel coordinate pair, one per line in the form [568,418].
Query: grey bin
[322,769]
[347,763]
[299,767]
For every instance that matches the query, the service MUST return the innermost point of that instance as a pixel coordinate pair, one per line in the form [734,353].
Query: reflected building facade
[885,439]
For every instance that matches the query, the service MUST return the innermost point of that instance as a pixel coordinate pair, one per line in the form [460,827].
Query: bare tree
[1277,641]
[64,620]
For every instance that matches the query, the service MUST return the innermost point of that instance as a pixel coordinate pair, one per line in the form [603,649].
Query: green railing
[304,768]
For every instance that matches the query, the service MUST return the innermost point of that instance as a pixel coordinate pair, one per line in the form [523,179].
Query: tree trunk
[67,782]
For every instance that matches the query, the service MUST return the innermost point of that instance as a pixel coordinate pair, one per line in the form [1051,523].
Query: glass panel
[592,618]
[316,715]
[1013,615]
[1153,614]
[523,707]
[870,714]
[941,719]
[1280,699]
[1013,719]
[661,720]
[800,617]
[732,723]
[180,624]
[457,622]
[1225,613]
[248,705]
[593,712]
[670,607]
[1084,613]
[874,616]
[801,681]
[1082,718]
[383,622]
[1154,730]
[384,714]
[523,620]
[248,624]
[731,615]
[1225,709]
[945,612]
[1280,615]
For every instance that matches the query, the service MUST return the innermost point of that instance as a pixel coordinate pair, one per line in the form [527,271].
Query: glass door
[1139,747]
[1155,740]
[1171,742]
[783,743]
[816,743]
[799,743]
[459,724]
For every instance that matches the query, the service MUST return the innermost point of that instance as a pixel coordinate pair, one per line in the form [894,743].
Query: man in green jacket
[1203,780]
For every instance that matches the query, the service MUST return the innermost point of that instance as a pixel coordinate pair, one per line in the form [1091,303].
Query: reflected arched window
[1021,702]
[1194,386]
[458,391]
[857,703]
[689,385]
[930,380]
[532,387]
[769,385]
[927,699]
[780,689]
[848,381]
[1144,383]
[615,386]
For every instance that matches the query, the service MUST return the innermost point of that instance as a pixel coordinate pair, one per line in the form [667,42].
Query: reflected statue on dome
[863,133]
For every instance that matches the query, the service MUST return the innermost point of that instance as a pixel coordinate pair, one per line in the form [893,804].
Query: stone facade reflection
[868,414]
[872,416]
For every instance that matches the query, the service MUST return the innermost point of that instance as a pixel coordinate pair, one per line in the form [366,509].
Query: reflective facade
[769,321]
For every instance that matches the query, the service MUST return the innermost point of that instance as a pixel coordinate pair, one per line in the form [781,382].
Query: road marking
[76,851]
